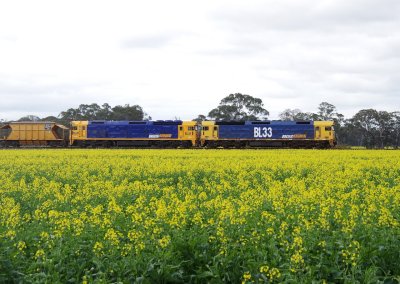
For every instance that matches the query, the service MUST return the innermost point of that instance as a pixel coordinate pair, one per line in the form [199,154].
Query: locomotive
[171,134]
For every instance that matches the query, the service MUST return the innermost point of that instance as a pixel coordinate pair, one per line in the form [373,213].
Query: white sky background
[180,58]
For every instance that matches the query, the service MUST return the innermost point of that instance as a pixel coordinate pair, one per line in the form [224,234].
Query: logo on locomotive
[262,132]
[295,136]
[160,135]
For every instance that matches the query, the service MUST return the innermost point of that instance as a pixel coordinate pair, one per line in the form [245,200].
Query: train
[171,134]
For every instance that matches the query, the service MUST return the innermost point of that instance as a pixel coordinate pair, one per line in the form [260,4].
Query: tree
[385,127]
[70,115]
[396,129]
[296,114]
[326,111]
[200,118]
[104,112]
[29,117]
[366,123]
[127,112]
[289,114]
[90,112]
[50,118]
[239,107]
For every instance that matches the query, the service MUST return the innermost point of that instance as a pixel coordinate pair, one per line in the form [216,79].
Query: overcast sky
[180,58]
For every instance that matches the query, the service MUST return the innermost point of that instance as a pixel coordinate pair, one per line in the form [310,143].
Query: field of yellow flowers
[199,216]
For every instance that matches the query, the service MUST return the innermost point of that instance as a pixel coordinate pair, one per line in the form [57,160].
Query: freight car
[160,133]
[284,134]
[16,134]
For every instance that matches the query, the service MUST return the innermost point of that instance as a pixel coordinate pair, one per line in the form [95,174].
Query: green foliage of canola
[213,216]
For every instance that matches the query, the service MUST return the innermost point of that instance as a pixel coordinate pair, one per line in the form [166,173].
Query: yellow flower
[112,236]
[97,248]
[21,245]
[264,269]
[246,276]
[39,254]
[273,274]
[164,241]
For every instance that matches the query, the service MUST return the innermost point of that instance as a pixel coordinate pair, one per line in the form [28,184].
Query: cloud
[287,15]
[32,95]
[182,58]
[148,41]
[155,40]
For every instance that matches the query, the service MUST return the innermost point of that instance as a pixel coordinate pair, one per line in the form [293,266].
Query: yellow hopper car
[40,133]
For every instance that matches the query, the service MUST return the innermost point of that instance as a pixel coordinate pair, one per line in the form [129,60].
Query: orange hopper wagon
[40,133]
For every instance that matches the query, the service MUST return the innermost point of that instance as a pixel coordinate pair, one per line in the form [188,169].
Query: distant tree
[29,117]
[200,118]
[50,118]
[90,112]
[127,112]
[326,111]
[296,114]
[385,128]
[70,115]
[104,112]
[239,107]
[289,114]
[366,123]
[350,134]
[396,129]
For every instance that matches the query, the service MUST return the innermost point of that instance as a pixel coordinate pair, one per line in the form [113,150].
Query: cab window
[328,128]
[205,128]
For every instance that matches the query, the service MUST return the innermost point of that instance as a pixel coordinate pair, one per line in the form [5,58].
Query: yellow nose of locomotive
[78,131]
[325,132]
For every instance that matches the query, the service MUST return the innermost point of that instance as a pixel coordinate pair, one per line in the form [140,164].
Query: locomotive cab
[209,131]
[78,131]
[188,131]
[325,132]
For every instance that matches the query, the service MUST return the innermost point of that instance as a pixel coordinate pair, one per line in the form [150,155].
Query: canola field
[199,216]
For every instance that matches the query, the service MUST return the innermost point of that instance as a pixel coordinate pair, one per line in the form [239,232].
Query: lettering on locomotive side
[262,132]
[160,135]
[294,136]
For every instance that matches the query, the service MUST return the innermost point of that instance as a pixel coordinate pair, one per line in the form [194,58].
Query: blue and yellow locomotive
[285,134]
[161,133]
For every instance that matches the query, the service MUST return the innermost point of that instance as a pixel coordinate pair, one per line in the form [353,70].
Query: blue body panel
[133,129]
[267,130]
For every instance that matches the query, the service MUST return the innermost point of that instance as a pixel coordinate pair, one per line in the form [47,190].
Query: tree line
[368,127]
[94,112]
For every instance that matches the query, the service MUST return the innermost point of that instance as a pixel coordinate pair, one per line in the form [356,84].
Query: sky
[178,59]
